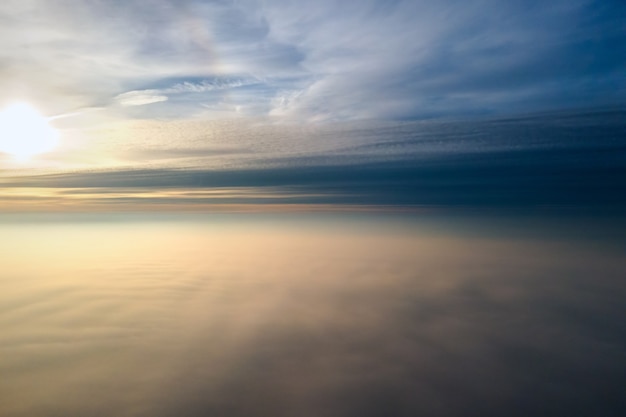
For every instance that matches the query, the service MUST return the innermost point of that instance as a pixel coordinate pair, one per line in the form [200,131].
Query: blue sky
[313,61]
[368,102]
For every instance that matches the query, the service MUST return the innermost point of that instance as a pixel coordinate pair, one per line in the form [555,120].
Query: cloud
[182,88]
[373,316]
[408,59]
[372,59]
[568,160]
[140,98]
[208,85]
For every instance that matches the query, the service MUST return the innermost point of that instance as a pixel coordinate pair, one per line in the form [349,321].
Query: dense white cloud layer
[152,316]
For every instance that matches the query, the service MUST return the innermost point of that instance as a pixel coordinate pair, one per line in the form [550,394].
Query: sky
[319,61]
[310,208]
[366,103]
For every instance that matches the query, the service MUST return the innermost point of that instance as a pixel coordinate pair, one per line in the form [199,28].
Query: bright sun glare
[24,132]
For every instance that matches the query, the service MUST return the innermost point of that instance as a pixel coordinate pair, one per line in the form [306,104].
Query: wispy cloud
[143,97]
[565,159]
[221,93]
[321,61]
[208,85]
[140,98]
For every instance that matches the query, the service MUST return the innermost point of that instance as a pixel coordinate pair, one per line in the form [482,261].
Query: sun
[24,132]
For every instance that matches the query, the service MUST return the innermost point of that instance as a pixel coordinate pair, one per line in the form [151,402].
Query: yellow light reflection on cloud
[50,199]
[158,317]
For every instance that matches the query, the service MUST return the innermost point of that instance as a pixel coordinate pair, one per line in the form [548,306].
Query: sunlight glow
[24,132]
